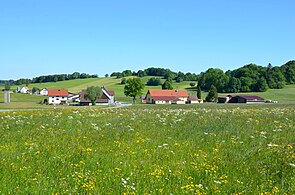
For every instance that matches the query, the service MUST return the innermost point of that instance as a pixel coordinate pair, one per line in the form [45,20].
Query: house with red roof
[157,96]
[58,96]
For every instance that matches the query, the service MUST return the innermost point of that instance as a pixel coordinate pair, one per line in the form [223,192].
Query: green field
[148,151]
[111,83]
[21,101]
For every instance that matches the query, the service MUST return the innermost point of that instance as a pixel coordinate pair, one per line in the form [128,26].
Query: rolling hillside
[110,83]
[285,96]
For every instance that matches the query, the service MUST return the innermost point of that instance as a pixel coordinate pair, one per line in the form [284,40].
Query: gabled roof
[250,97]
[58,92]
[102,99]
[107,92]
[193,97]
[167,93]
[112,93]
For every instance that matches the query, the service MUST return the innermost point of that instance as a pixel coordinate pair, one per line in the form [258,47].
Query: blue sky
[99,37]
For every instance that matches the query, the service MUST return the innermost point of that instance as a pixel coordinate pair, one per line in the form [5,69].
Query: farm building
[241,99]
[193,99]
[44,92]
[156,96]
[58,96]
[72,97]
[23,90]
[107,97]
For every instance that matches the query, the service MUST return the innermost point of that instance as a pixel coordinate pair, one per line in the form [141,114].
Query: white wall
[57,100]
[44,92]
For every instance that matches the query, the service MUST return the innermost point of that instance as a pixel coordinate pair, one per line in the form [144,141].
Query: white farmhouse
[58,96]
[24,90]
[44,92]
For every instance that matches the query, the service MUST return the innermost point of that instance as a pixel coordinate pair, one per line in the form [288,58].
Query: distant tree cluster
[54,78]
[4,82]
[161,72]
[249,78]
[154,81]
[125,73]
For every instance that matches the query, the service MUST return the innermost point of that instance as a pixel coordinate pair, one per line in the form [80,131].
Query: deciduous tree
[92,93]
[212,95]
[133,88]
[199,93]
[167,85]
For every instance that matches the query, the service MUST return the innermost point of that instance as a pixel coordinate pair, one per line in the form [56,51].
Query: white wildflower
[272,145]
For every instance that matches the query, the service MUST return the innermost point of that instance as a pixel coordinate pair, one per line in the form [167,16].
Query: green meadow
[138,150]
[147,149]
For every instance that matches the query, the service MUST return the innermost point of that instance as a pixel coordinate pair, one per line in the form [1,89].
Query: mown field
[215,150]
[111,83]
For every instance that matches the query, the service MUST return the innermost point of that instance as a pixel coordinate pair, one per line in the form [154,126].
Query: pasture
[143,150]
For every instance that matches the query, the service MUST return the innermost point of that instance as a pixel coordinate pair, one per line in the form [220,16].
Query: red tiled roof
[168,93]
[58,92]
[168,98]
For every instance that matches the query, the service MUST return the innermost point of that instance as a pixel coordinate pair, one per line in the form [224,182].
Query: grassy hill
[286,95]
[110,83]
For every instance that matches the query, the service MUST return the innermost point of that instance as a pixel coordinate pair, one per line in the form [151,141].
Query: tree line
[249,78]
[165,73]
[50,78]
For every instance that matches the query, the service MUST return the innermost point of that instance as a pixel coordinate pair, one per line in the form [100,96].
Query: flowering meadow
[148,151]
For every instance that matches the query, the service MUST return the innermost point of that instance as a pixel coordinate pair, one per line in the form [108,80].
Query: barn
[247,99]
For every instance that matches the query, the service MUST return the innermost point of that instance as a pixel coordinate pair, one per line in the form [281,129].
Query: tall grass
[148,151]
